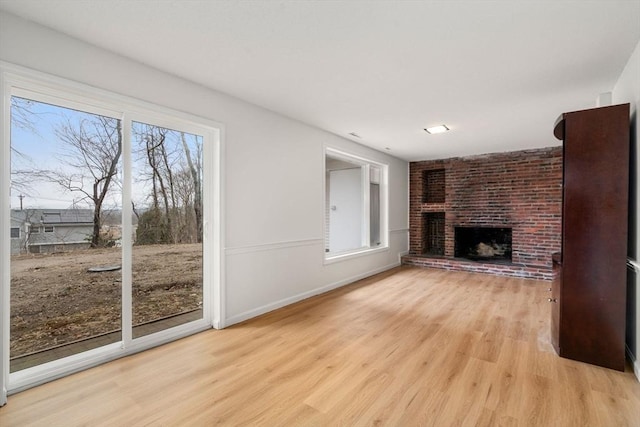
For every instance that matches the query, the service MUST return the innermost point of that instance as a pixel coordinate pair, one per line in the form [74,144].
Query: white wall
[627,89]
[274,215]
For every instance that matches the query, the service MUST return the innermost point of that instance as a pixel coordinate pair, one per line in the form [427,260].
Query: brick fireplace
[513,198]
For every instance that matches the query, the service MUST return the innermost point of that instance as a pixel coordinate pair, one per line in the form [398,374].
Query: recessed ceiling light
[437,129]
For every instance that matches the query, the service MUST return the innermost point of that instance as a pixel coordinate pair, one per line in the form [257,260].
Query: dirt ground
[55,300]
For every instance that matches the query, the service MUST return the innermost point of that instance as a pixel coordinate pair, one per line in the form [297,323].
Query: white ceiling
[497,73]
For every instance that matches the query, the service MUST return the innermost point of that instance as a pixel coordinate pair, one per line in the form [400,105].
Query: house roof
[53,216]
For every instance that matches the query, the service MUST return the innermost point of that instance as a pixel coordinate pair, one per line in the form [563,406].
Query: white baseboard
[635,363]
[287,301]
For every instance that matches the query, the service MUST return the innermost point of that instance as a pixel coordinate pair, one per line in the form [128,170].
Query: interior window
[354,201]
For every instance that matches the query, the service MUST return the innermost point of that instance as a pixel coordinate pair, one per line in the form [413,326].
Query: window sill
[343,256]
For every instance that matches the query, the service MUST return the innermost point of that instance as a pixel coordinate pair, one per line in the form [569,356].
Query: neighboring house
[50,230]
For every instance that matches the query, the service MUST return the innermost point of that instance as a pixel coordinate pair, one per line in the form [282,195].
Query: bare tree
[154,138]
[188,230]
[195,170]
[27,223]
[93,150]
[171,166]
[22,117]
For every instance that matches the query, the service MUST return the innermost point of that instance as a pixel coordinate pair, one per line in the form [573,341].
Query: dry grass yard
[55,300]
[409,347]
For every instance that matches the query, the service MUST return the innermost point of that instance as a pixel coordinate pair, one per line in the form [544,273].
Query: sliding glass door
[65,221]
[167,247]
[111,218]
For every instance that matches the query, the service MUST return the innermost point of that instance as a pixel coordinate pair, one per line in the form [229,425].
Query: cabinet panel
[555,301]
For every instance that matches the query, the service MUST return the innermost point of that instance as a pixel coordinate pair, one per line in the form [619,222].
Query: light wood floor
[407,347]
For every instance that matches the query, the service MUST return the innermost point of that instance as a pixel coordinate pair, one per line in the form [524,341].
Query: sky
[38,146]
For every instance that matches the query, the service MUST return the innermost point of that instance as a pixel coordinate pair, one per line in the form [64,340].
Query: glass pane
[65,252]
[374,206]
[374,211]
[167,206]
[345,205]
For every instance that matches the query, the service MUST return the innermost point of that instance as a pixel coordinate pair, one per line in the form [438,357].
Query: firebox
[486,244]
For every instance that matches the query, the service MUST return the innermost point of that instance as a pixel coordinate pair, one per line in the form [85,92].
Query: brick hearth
[521,190]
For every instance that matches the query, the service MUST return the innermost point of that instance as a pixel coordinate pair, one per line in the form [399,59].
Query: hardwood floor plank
[335,389]
[424,408]
[407,347]
[538,401]
[615,411]
[509,379]
[352,408]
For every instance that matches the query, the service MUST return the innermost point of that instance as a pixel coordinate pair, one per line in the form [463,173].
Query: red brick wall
[434,186]
[521,190]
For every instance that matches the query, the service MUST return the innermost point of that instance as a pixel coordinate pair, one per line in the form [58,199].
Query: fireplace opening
[486,244]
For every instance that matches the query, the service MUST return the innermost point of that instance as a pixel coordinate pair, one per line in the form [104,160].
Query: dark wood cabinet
[589,287]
